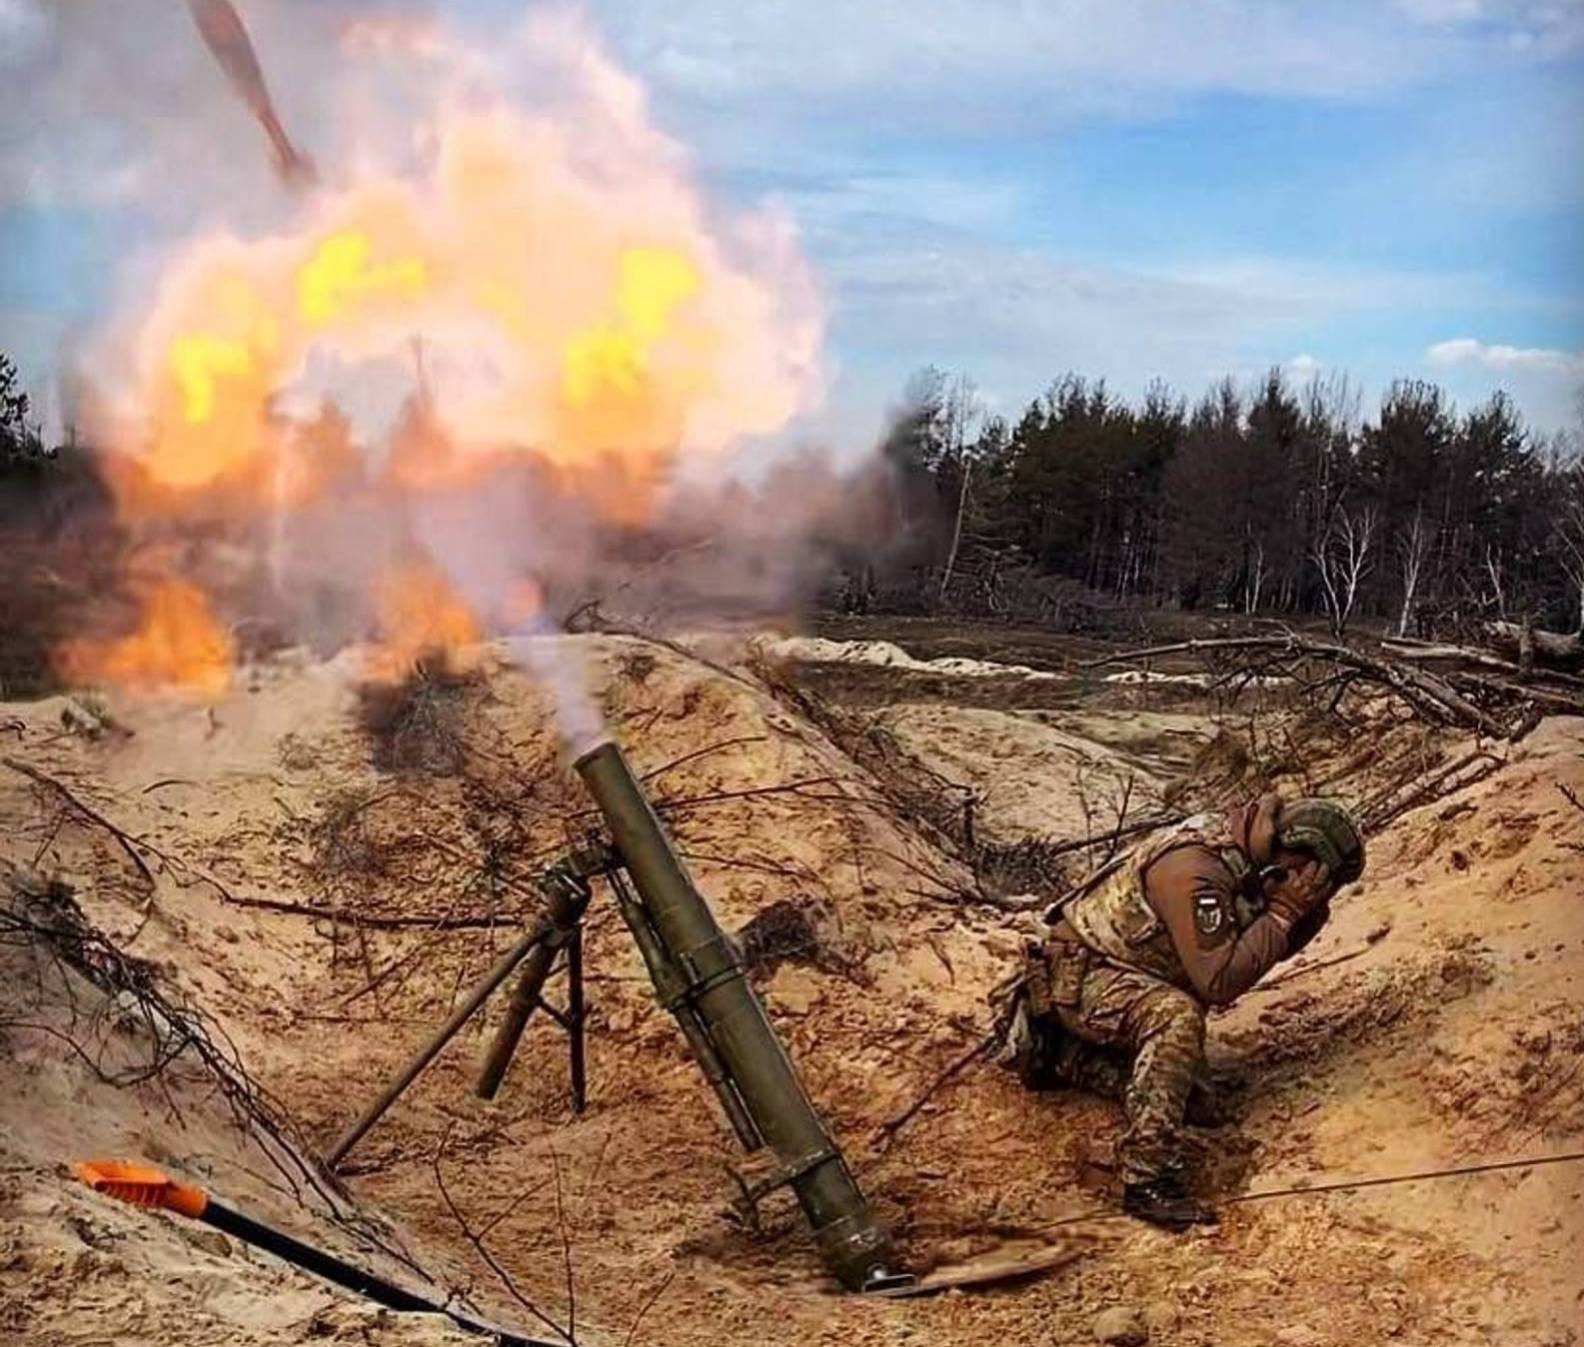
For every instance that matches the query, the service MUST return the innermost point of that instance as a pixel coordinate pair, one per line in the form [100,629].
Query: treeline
[21,445]
[1275,499]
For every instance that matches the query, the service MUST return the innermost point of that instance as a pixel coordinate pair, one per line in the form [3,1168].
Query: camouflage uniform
[1113,978]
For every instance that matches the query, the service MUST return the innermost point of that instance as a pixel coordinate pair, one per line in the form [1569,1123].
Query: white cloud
[1014,318]
[1309,287]
[1546,383]
[1549,29]
[1531,359]
[968,66]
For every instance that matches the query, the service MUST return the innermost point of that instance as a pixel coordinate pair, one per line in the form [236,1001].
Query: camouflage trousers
[1118,1014]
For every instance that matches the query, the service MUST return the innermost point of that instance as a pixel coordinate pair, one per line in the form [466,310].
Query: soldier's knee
[1175,1016]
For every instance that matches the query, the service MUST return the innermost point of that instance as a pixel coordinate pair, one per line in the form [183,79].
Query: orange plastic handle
[142,1185]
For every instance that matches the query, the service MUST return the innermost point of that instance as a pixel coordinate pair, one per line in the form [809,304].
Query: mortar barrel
[853,1244]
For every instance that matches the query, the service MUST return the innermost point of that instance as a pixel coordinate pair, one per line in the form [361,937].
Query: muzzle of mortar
[701,979]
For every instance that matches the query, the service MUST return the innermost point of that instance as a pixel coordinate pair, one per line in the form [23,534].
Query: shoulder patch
[1209,916]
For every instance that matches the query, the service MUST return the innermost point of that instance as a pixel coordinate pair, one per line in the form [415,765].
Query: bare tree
[1413,549]
[1256,578]
[1343,556]
[1568,531]
[960,413]
[1495,572]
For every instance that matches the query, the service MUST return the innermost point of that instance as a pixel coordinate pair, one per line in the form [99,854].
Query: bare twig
[1297,973]
[649,1304]
[470,922]
[1144,825]
[1571,796]
[704,752]
[122,837]
[566,1243]
[591,605]
[1425,789]
[476,1241]
[166,781]
[752,793]
[885,1134]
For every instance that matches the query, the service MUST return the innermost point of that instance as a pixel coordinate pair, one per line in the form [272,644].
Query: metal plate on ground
[988,1269]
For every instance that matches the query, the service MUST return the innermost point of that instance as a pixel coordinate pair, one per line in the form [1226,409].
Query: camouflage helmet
[1327,830]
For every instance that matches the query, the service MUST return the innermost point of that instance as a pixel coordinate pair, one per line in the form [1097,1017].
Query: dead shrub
[418,726]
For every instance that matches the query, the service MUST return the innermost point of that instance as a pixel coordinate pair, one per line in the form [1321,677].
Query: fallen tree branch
[1555,701]
[1430,652]
[1427,788]
[1548,646]
[1433,697]
[1189,648]
[1145,825]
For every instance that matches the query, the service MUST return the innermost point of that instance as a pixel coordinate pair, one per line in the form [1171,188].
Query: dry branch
[475,1239]
[1427,787]
[1188,648]
[1308,968]
[1117,834]
[351,917]
[123,839]
[1431,696]
[45,916]
[886,1133]
[1432,652]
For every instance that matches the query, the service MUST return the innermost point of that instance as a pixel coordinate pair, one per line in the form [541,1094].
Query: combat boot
[1166,1202]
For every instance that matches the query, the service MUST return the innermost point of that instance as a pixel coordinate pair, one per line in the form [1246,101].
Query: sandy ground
[1439,1021]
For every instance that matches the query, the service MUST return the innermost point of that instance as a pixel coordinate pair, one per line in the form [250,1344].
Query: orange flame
[178,644]
[598,327]
[569,296]
[420,615]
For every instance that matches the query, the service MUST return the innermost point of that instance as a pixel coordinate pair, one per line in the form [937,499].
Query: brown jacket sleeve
[1192,893]
[1308,927]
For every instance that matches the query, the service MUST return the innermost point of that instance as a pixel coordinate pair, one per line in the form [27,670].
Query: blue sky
[1131,189]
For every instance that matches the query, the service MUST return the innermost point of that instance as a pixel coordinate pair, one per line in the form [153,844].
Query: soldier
[1188,920]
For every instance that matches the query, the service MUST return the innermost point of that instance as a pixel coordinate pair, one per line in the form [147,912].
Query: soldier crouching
[1188,920]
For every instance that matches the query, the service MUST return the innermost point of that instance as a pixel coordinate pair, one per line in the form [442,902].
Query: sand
[1449,1032]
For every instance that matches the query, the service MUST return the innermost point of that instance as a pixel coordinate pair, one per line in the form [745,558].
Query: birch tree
[1413,550]
[1343,556]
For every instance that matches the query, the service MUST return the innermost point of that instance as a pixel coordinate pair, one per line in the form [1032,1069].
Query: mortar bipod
[567,891]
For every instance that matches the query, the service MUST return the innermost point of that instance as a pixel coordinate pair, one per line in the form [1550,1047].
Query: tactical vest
[1114,918]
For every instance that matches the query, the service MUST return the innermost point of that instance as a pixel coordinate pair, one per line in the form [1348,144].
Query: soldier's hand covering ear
[1296,892]
[1263,820]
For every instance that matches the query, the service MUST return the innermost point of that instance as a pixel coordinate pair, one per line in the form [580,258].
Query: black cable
[1488,1167]
[1348,1185]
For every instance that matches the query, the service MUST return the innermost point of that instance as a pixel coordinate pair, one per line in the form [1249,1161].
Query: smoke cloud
[505,355]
